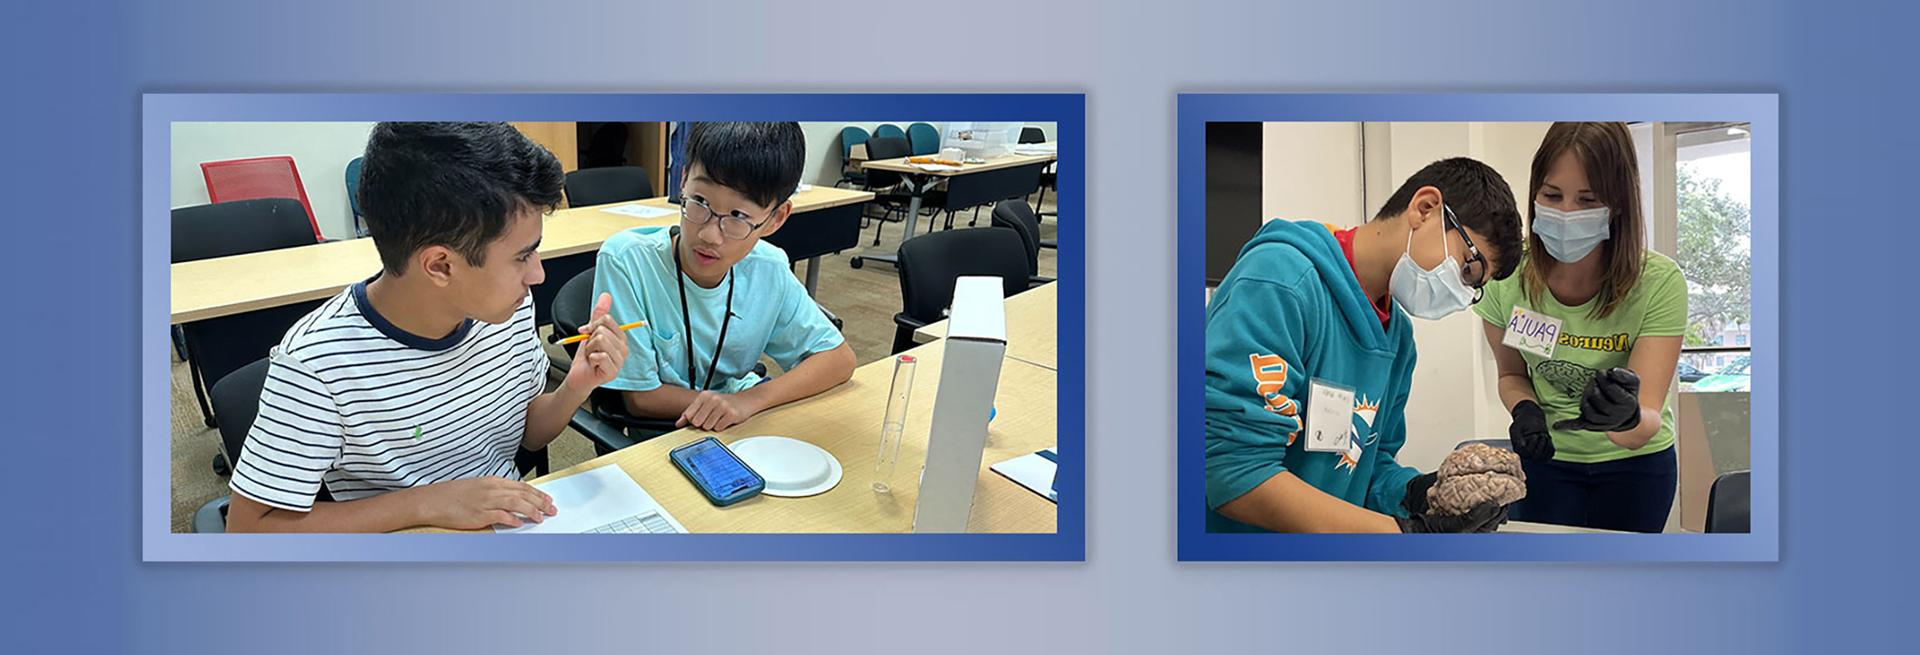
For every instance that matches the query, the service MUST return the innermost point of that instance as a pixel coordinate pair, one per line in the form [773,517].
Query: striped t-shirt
[365,408]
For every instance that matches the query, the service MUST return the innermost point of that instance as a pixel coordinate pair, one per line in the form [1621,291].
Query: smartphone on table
[720,475]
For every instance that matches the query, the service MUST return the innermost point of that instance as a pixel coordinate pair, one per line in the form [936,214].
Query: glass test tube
[895,424]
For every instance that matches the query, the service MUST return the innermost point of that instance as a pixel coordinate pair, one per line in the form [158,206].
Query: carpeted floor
[866,299]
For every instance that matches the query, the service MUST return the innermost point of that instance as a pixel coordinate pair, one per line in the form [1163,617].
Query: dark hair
[762,161]
[1605,150]
[1480,199]
[450,184]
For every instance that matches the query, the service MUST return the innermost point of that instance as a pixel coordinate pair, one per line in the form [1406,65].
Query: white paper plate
[792,468]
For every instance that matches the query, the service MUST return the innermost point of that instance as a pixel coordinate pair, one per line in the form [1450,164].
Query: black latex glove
[1485,517]
[1528,431]
[1415,501]
[1611,403]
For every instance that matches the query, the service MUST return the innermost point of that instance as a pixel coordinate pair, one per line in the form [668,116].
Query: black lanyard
[686,321]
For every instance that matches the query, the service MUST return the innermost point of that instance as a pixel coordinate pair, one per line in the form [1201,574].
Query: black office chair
[882,183]
[930,265]
[239,227]
[602,186]
[236,398]
[1048,179]
[1730,503]
[215,348]
[1016,215]
[606,146]
[605,421]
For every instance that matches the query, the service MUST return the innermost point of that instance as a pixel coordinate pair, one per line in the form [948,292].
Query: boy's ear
[436,264]
[778,219]
[1425,205]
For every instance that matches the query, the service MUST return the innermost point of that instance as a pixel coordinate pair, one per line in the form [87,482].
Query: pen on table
[583,337]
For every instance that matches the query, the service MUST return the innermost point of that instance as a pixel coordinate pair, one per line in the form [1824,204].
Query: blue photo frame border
[1066,110]
[1195,110]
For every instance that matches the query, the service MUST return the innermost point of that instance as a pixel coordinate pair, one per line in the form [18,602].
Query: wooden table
[900,165]
[1525,527]
[223,286]
[846,422]
[1010,176]
[1033,327]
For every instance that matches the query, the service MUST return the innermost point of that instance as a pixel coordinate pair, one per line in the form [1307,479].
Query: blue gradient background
[1846,83]
[1761,111]
[1066,111]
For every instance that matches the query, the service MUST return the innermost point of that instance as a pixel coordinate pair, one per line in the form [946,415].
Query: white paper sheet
[1032,471]
[639,211]
[592,499]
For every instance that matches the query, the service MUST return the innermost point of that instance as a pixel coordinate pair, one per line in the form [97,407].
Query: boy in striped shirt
[406,396]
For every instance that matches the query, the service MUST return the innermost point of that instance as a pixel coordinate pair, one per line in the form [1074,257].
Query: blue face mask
[1430,294]
[1569,236]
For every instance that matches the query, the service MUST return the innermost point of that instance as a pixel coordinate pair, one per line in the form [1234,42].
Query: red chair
[258,177]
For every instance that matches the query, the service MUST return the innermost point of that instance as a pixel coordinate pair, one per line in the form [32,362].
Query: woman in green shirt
[1586,336]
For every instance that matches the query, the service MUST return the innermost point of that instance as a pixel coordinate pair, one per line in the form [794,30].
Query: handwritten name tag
[1532,332]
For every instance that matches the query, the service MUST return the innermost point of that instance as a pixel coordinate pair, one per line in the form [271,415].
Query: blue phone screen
[717,469]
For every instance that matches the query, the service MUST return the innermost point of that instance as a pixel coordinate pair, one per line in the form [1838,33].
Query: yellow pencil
[583,337]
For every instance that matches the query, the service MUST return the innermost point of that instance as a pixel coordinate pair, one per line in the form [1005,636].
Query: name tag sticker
[1532,331]
[1329,417]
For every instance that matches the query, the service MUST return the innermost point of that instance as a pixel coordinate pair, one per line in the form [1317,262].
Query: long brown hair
[1613,173]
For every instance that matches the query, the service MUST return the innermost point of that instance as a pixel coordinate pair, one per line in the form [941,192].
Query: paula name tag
[1532,332]
[1329,417]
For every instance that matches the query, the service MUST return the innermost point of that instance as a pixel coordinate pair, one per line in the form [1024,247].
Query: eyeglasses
[1476,263]
[735,225]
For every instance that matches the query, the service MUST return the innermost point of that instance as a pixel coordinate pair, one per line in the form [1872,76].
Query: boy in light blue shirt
[714,296]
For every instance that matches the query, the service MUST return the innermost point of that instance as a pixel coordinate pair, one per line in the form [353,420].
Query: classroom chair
[353,195]
[851,136]
[1730,503]
[258,177]
[923,139]
[214,348]
[882,183]
[237,398]
[606,146]
[1048,178]
[603,186]
[1016,215]
[930,264]
[605,420]
[888,129]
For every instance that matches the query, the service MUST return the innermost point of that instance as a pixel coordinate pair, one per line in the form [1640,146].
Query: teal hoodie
[1291,311]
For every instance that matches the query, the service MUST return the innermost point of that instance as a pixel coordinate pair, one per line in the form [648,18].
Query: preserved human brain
[1475,474]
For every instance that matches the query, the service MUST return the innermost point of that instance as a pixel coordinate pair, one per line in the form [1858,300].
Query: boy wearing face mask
[1310,357]
[1592,420]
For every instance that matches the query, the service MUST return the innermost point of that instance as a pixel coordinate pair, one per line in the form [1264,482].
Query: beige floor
[866,299]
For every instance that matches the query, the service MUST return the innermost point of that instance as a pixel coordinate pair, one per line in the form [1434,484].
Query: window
[1713,182]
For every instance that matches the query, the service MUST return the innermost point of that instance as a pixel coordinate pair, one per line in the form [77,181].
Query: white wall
[320,151]
[1311,171]
[823,146]
[1341,173]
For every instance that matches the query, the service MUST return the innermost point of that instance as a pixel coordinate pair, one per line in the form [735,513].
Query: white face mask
[1569,236]
[1429,294]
